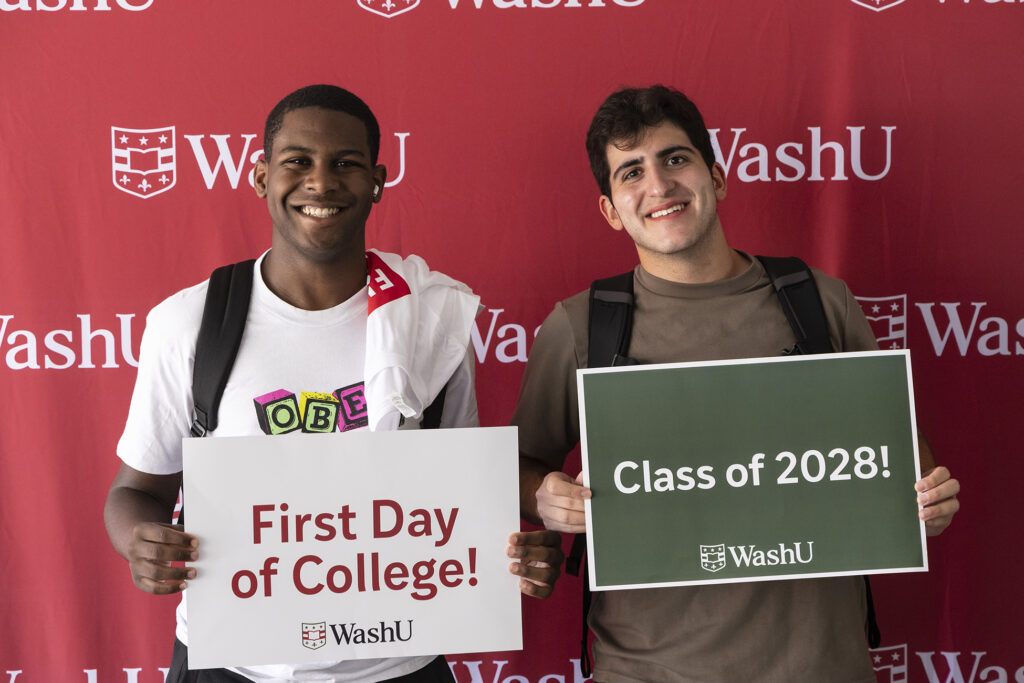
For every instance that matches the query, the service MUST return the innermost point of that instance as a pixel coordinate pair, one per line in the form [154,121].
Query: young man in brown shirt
[696,298]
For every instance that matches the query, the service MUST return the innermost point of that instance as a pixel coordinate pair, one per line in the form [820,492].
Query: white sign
[323,547]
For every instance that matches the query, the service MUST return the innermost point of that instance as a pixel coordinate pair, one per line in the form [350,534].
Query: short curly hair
[326,97]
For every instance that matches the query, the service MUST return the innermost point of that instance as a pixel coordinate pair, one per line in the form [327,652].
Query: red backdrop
[878,139]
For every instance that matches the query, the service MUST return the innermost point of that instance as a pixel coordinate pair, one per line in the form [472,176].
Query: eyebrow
[299,149]
[636,161]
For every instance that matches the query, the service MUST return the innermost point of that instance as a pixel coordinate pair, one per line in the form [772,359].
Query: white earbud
[376,189]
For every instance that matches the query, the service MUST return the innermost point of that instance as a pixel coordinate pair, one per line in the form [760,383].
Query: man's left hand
[539,555]
[937,496]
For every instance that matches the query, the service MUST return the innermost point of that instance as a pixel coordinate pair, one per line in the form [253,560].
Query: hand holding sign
[560,502]
[539,555]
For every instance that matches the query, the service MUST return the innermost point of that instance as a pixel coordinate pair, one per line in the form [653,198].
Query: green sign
[751,470]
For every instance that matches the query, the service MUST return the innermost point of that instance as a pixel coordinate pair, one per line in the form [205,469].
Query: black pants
[436,671]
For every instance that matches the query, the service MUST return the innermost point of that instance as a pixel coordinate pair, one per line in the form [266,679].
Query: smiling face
[319,186]
[665,197]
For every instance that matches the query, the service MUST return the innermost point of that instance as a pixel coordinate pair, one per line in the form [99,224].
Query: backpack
[609,330]
[220,334]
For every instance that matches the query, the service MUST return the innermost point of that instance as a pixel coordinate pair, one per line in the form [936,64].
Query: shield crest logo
[388,8]
[888,318]
[877,5]
[314,636]
[712,557]
[143,160]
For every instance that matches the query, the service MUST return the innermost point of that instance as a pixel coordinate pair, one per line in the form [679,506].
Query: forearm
[125,508]
[531,475]
[135,498]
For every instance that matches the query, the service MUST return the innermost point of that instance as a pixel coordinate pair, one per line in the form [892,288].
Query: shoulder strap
[609,325]
[220,333]
[432,414]
[610,321]
[798,293]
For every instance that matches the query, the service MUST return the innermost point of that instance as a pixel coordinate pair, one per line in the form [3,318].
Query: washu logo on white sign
[314,636]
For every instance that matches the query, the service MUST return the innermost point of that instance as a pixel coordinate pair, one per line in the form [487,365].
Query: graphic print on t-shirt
[281,411]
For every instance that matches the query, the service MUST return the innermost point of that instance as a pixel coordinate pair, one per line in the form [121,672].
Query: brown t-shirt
[808,630]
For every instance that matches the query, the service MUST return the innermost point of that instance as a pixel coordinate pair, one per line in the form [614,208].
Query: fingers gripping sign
[560,502]
[538,556]
[937,495]
[155,556]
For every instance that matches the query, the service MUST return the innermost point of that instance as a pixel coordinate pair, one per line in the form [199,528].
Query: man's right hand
[560,502]
[153,547]
[136,513]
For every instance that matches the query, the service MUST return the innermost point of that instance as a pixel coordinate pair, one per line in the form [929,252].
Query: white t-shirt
[284,350]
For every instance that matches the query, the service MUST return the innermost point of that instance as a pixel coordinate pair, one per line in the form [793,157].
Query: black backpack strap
[874,633]
[220,333]
[432,413]
[609,326]
[586,663]
[798,293]
[610,321]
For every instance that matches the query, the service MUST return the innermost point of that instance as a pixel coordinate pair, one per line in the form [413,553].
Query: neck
[314,286]
[703,263]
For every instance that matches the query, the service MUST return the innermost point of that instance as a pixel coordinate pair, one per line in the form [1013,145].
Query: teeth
[665,212]
[319,213]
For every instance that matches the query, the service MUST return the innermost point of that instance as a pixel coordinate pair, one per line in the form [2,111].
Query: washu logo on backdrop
[954,328]
[546,4]
[145,160]
[811,158]
[951,327]
[388,8]
[892,665]
[877,5]
[75,5]
[963,328]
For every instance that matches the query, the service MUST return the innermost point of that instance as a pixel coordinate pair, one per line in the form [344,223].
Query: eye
[297,161]
[676,159]
[631,174]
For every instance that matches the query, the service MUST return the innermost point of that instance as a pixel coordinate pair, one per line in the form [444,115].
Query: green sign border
[724,412]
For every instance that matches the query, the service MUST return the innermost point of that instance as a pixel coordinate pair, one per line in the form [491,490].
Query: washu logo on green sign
[753,469]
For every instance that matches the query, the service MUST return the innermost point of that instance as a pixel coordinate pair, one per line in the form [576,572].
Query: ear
[380,176]
[259,178]
[609,212]
[718,178]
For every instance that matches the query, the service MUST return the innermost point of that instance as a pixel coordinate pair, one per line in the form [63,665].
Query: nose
[320,179]
[660,181]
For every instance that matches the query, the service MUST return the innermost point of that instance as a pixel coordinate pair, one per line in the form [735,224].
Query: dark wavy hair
[624,116]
